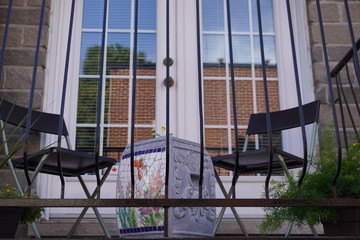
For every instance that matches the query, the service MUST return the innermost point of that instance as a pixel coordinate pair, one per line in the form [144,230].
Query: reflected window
[247,70]
[117,68]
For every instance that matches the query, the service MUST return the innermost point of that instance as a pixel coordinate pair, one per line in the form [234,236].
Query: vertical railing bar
[133,100]
[236,132]
[337,80]
[352,89]
[353,42]
[99,97]
[6,30]
[332,102]
[268,117]
[167,168]
[61,118]
[347,108]
[201,114]
[301,111]
[32,92]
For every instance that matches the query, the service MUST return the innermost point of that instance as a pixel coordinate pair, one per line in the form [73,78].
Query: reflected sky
[118,44]
[214,36]
[214,20]
[119,16]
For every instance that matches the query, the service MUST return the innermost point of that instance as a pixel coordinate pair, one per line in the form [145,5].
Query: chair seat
[257,161]
[73,163]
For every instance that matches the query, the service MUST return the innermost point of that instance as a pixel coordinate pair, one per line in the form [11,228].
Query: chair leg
[221,215]
[98,216]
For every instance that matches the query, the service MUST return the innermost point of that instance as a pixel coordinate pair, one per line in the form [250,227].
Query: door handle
[171,82]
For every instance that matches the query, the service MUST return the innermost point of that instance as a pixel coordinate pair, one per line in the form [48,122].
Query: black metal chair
[73,163]
[257,161]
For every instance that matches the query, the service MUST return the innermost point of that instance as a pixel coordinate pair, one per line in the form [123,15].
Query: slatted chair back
[41,121]
[285,119]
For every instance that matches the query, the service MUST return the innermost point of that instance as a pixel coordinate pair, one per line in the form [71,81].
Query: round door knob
[171,82]
[171,62]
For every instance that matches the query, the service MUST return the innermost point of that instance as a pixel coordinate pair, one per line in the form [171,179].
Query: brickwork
[338,43]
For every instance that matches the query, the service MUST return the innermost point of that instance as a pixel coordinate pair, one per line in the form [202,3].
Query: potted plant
[10,217]
[318,184]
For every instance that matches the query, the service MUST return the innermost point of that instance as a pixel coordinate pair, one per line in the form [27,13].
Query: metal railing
[201,202]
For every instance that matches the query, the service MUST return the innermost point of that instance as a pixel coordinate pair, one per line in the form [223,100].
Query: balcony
[333,65]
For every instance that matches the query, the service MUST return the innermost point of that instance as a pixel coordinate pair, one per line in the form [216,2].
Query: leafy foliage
[317,184]
[30,214]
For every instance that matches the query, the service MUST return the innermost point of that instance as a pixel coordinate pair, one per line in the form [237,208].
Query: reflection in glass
[266,16]
[118,51]
[241,49]
[93,14]
[269,48]
[119,14]
[85,139]
[213,48]
[147,49]
[90,52]
[213,15]
[116,101]
[147,14]
[87,98]
[240,15]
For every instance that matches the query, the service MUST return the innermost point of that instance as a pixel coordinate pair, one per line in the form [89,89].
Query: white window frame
[187,126]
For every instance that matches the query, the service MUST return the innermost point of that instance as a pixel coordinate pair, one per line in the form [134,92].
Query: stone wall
[338,43]
[16,76]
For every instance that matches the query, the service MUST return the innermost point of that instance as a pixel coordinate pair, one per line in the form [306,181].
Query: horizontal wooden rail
[334,202]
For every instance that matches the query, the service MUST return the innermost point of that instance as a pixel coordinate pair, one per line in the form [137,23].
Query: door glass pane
[240,18]
[117,78]
[247,69]
[87,98]
[90,53]
[266,7]
[119,14]
[147,14]
[118,53]
[214,51]
[93,13]
[213,15]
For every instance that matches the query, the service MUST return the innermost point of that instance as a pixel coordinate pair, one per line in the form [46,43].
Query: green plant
[317,184]
[30,214]
[163,133]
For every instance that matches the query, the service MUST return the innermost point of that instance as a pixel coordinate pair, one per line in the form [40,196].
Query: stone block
[31,35]
[354,11]
[347,95]
[321,92]
[320,74]
[334,33]
[15,2]
[21,77]
[317,53]
[24,16]
[344,76]
[326,116]
[22,97]
[37,3]
[351,116]
[336,53]
[24,57]
[330,12]
[2,79]
[14,36]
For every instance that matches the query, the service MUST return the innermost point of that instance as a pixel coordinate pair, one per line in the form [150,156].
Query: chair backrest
[40,121]
[285,119]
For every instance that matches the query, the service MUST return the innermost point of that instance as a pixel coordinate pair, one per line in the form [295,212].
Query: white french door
[151,91]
